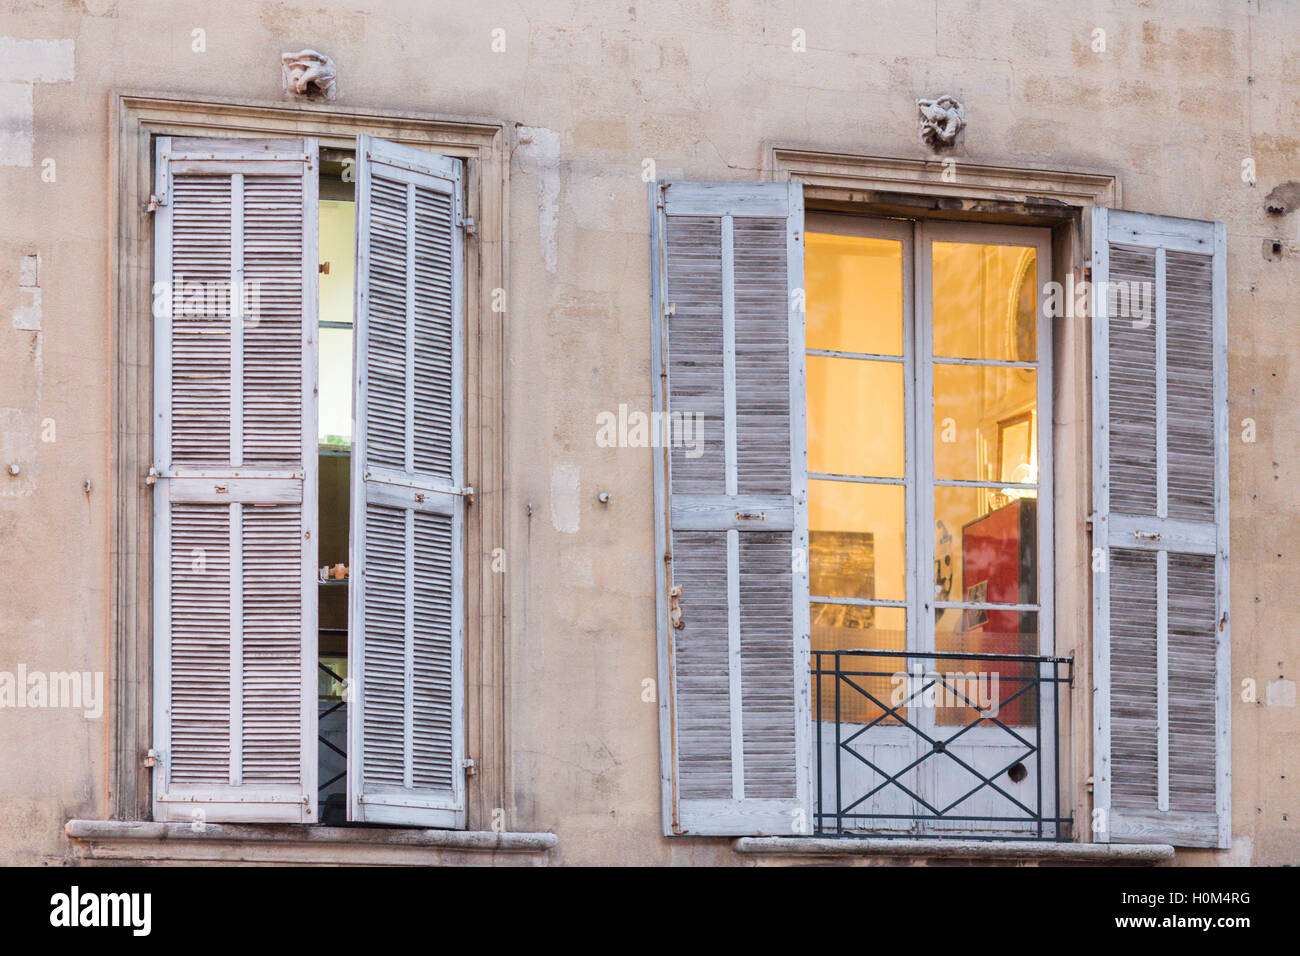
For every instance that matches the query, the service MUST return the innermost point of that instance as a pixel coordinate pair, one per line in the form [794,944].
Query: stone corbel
[942,120]
[310,75]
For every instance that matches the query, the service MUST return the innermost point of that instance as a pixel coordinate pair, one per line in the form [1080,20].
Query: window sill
[143,842]
[868,851]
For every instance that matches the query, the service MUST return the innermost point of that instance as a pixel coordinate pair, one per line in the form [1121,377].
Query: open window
[309,499]
[855,557]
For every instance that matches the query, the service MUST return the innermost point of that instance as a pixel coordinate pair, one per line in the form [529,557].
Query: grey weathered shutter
[731,512]
[235,499]
[406,693]
[1160,496]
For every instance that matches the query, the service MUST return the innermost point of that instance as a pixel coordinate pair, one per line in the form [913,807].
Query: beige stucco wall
[589,92]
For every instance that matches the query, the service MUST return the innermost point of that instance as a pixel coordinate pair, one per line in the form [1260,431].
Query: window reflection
[985,301]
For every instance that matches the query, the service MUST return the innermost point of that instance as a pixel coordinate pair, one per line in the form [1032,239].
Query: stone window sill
[143,842]
[865,850]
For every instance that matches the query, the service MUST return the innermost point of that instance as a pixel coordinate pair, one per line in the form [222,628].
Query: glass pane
[855,417]
[857,540]
[985,301]
[1003,689]
[985,550]
[985,420]
[336,290]
[335,423]
[843,627]
[338,228]
[854,294]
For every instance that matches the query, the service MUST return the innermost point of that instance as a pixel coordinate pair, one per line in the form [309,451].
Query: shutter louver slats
[386,329]
[731,508]
[762,357]
[407,723]
[431,665]
[272,642]
[384,687]
[1132,392]
[234,512]
[200,266]
[1191,386]
[1191,684]
[694,254]
[200,643]
[767,679]
[433,336]
[1160,638]
[1134,718]
[272,296]
[703,685]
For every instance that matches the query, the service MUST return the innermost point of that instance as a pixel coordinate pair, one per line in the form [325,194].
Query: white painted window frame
[918,360]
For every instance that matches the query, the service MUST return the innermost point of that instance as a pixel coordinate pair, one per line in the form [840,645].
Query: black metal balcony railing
[948,744]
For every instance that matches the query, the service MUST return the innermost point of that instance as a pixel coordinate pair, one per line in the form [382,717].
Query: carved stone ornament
[309,74]
[942,119]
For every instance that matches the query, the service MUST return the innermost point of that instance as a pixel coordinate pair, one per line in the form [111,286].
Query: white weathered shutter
[406,686]
[1160,497]
[235,498]
[727,310]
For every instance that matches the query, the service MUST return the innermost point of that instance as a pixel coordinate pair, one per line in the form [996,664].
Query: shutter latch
[675,609]
[1147,535]
[155,201]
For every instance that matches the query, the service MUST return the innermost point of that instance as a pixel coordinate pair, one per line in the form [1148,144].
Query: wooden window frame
[136,119]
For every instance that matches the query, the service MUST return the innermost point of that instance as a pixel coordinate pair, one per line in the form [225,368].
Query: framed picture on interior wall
[976,617]
[1016,448]
[842,564]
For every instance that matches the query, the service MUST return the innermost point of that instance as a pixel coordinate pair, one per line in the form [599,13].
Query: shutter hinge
[675,609]
[153,757]
[151,476]
[468,764]
[154,202]
[471,227]
[467,492]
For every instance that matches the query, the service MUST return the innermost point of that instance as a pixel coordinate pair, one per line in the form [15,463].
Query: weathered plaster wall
[1173,107]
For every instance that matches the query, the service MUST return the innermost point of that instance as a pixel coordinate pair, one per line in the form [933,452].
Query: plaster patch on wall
[566,489]
[576,569]
[1280,693]
[22,64]
[17,447]
[540,149]
[1241,854]
[27,314]
[17,135]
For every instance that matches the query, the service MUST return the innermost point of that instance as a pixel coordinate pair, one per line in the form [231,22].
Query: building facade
[727,434]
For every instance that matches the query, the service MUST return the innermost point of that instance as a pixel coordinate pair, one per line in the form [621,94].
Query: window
[924,524]
[877,480]
[263,476]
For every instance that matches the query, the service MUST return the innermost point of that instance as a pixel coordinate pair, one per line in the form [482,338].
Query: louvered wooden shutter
[731,512]
[406,686]
[235,499]
[1160,494]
